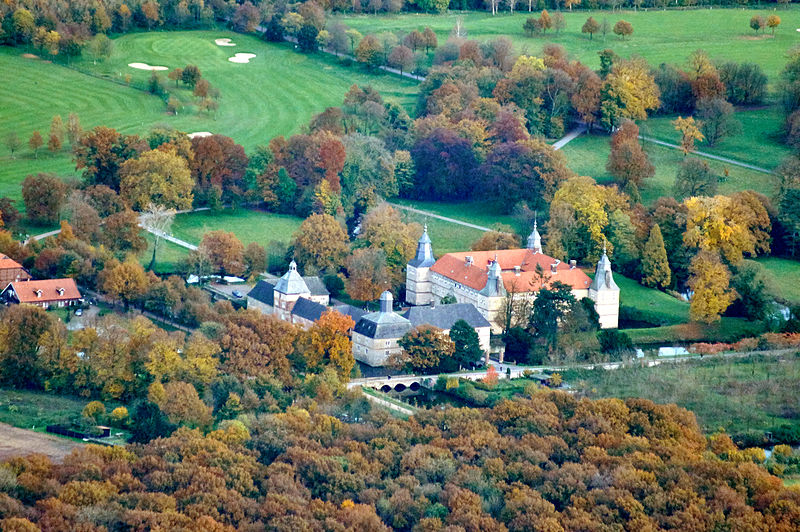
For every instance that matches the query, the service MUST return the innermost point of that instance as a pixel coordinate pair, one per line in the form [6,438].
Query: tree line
[543,461]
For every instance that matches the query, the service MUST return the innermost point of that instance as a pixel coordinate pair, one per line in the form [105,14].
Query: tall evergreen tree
[467,344]
[655,266]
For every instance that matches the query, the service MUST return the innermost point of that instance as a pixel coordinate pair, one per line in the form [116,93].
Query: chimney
[468,260]
[386,302]
[572,264]
[516,270]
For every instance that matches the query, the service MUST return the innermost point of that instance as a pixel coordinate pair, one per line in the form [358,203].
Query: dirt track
[15,442]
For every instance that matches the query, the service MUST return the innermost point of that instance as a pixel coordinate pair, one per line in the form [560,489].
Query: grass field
[758,144]
[737,394]
[588,154]
[248,225]
[659,36]
[275,94]
[787,273]
[35,410]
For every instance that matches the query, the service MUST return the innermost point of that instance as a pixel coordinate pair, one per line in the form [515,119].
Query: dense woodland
[548,462]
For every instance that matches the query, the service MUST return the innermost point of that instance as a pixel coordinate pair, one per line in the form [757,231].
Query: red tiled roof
[454,267]
[7,263]
[26,291]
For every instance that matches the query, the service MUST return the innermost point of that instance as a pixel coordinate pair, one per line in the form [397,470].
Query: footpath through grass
[588,154]
[758,392]
[659,36]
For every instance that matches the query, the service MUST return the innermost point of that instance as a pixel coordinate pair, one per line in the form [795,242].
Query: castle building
[377,335]
[485,278]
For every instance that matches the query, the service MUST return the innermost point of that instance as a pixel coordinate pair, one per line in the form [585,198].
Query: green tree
[655,266]
[13,143]
[549,309]
[21,363]
[467,345]
[191,75]
[755,288]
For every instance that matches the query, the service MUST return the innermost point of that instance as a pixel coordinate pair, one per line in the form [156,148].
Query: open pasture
[588,154]
[659,36]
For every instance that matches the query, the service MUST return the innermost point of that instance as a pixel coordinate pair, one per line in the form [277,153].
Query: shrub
[119,415]
[613,341]
[94,411]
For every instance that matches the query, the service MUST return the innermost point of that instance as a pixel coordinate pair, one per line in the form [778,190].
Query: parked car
[237,294]
[79,312]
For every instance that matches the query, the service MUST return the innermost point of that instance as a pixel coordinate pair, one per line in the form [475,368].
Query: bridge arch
[400,387]
[414,386]
[386,388]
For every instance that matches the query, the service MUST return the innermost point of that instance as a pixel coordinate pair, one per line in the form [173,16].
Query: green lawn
[446,237]
[248,225]
[737,394]
[169,257]
[35,410]
[588,154]
[659,36]
[475,212]
[275,94]
[787,273]
[758,144]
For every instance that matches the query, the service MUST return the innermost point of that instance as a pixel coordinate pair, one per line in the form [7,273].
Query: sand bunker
[145,66]
[31,56]
[199,134]
[224,42]
[241,58]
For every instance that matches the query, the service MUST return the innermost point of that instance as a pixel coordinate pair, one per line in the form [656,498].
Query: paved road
[708,155]
[572,135]
[438,217]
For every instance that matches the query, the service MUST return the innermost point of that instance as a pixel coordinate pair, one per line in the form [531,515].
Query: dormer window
[60,291]
[38,293]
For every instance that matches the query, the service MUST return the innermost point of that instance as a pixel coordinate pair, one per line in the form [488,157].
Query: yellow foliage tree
[329,340]
[161,177]
[631,86]
[732,226]
[710,281]
[690,132]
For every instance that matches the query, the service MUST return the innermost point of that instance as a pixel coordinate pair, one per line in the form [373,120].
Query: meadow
[275,94]
[659,36]
[757,392]
[588,154]
[787,275]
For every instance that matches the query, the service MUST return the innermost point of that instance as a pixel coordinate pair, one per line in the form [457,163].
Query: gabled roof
[263,292]
[316,286]
[454,266]
[307,309]
[7,263]
[45,291]
[445,316]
